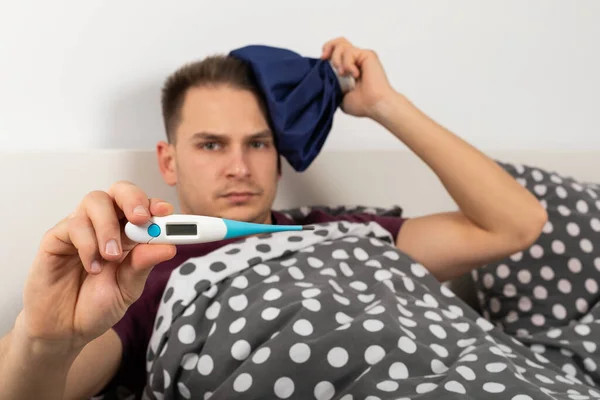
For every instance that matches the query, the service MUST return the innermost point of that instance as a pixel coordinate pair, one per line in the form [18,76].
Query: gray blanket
[340,313]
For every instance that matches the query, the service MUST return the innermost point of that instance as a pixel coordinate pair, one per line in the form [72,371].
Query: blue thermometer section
[154,230]
[238,228]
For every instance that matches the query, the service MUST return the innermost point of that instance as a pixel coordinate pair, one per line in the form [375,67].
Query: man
[221,156]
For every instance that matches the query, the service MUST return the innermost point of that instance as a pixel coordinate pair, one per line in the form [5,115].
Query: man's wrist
[57,353]
[389,107]
[32,368]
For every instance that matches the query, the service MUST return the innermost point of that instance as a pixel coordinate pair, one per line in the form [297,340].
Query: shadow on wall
[134,119]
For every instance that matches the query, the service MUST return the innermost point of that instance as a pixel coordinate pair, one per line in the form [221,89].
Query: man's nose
[237,165]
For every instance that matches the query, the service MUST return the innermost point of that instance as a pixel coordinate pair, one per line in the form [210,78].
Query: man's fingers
[135,205]
[328,49]
[75,235]
[82,236]
[329,46]
[132,201]
[136,267]
[56,240]
[349,62]
[336,59]
[343,56]
[354,68]
[160,207]
[326,52]
[94,230]
[99,208]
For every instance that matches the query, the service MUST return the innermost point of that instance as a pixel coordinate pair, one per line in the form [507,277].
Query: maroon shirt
[136,326]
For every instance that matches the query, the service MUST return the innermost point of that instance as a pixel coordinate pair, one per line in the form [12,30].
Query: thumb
[135,268]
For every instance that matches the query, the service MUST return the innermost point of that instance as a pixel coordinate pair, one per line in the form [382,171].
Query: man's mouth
[239,197]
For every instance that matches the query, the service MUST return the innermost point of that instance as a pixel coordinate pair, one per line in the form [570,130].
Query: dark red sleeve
[389,223]
[134,330]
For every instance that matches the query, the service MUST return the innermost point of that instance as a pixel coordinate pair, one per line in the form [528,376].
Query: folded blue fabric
[302,95]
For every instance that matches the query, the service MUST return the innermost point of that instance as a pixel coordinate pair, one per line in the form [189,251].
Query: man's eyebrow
[266,134]
[208,136]
[219,136]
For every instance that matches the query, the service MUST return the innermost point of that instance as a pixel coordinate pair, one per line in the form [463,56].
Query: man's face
[224,162]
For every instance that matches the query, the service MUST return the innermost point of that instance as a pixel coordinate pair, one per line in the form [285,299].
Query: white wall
[505,74]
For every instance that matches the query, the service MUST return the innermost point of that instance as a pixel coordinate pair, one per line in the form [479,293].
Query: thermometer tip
[308,228]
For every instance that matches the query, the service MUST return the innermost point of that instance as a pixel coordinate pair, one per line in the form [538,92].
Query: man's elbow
[530,227]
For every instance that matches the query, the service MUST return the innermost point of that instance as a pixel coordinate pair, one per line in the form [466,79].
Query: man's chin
[242,212]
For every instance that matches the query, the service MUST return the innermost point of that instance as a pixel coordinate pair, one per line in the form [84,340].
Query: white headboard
[40,188]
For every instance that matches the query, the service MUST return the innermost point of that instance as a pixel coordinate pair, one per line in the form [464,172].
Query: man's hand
[87,272]
[84,277]
[372,85]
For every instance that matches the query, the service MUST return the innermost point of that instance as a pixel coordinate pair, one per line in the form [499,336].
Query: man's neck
[270,220]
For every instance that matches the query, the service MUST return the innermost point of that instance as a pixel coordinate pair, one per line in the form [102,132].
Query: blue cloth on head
[301,94]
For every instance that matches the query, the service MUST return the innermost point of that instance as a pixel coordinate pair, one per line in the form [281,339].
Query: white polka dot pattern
[538,294]
[376,325]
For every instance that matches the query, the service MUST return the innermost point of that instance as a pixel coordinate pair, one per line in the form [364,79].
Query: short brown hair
[210,71]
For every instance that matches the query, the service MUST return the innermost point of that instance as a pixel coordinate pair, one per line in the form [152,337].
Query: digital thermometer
[189,229]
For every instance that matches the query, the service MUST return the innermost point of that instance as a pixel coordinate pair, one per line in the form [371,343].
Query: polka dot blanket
[335,313]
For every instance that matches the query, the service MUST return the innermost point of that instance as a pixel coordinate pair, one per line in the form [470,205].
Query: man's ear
[165,154]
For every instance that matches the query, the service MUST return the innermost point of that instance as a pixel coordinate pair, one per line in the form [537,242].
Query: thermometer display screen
[182,230]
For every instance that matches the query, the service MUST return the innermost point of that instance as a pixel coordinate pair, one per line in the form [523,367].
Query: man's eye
[209,146]
[258,144]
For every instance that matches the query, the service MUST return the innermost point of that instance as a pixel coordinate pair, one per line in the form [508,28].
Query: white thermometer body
[190,229]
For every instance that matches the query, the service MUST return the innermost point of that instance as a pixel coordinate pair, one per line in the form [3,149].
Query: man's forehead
[226,112]
[215,96]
